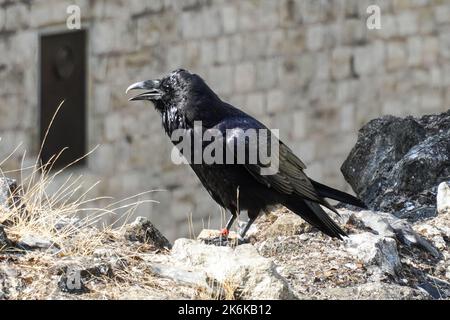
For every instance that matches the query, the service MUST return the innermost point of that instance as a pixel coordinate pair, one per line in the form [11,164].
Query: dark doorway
[63,77]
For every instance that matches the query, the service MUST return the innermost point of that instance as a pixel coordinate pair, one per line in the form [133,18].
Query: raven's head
[178,89]
[182,98]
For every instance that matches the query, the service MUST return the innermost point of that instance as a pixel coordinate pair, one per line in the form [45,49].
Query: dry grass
[39,212]
[58,217]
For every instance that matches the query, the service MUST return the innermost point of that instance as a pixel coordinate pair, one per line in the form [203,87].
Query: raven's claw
[222,241]
[219,241]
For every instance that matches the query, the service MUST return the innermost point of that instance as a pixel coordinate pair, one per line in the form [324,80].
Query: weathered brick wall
[310,68]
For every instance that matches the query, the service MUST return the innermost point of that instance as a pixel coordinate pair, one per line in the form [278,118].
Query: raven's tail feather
[315,215]
[328,192]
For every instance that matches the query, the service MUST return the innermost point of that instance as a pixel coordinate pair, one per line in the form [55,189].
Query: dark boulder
[142,230]
[397,164]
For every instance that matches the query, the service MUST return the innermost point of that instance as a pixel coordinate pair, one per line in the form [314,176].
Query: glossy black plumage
[183,98]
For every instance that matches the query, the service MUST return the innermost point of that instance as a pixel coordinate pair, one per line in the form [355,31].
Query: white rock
[443,198]
[387,225]
[241,268]
[180,275]
[286,225]
[375,250]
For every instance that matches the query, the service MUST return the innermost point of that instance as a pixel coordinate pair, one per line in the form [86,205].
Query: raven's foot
[222,241]
[222,238]
[219,241]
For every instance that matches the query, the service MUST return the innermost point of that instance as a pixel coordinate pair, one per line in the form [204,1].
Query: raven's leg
[224,232]
[245,229]
[222,239]
[252,216]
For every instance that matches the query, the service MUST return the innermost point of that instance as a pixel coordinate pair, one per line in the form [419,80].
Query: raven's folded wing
[288,179]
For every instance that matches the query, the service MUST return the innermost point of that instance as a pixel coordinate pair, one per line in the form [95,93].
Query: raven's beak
[153,90]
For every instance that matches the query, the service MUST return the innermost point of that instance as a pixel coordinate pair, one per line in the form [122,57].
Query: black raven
[183,99]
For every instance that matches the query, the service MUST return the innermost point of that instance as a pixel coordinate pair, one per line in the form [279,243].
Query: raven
[183,99]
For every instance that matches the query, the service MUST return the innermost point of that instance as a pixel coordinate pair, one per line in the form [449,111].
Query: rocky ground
[396,250]
[383,258]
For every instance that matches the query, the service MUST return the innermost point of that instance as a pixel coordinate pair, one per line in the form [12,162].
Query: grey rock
[3,293]
[375,250]
[375,291]
[443,198]
[423,166]
[181,275]
[35,242]
[413,214]
[435,287]
[4,241]
[142,230]
[85,267]
[397,163]
[72,283]
[387,225]
[111,258]
[240,271]
[9,282]
[7,188]
[406,235]
[75,272]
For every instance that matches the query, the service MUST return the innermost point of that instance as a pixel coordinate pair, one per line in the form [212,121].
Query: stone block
[315,37]
[192,26]
[267,74]
[244,77]
[221,79]
[396,55]
[341,63]
[407,23]
[113,126]
[256,104]
[229,19]
[275,101]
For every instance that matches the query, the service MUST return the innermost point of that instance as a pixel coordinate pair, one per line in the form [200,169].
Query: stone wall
[310,68]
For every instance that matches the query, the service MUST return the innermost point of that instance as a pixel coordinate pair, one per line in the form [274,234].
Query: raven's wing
[289,178]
